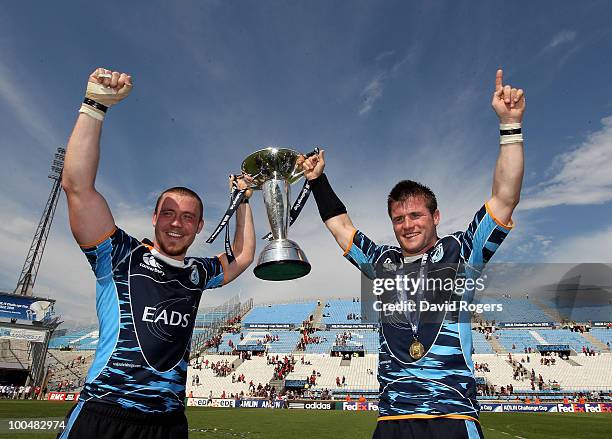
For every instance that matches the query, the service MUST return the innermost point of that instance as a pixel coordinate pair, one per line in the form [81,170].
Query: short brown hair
[181,191]
[407,189]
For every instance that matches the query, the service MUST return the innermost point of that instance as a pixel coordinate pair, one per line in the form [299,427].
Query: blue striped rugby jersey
[146,305]
[441,383]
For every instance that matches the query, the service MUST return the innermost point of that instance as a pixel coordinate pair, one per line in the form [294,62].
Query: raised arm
[244,238]
[331,209]
[509,105]
[90,217]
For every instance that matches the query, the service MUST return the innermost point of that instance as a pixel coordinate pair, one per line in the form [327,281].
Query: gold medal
[417,350]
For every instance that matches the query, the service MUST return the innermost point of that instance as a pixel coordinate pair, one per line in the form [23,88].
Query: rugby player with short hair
[426,374]
[147,293]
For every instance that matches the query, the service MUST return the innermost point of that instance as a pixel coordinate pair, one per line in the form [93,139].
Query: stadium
[286,360]
[391,91]
[543,367]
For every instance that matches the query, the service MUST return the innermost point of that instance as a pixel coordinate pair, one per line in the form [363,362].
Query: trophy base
[282,259]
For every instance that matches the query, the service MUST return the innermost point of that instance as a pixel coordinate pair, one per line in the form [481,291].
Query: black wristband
[510,132]
[96,105]
[327,201]
[245,200]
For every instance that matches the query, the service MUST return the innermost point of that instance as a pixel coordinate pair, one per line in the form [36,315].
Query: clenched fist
[312,166]
[105,88]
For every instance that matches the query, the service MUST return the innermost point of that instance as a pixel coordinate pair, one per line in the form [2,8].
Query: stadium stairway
[277,384]
[317,315]
[595,342]
[538,337]
[554,315]
[572,362]
[496,346]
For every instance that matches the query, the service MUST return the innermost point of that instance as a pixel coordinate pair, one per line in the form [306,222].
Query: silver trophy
[273,171]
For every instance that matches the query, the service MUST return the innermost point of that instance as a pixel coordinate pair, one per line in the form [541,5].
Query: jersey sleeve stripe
[223,267]
[348,248]
[498,222]
[100,241]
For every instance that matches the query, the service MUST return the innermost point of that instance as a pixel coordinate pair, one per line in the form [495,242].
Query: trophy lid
[272,162]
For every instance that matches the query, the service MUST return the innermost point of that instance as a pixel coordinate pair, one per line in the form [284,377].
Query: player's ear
[200,226]
[436,217]
[154,219]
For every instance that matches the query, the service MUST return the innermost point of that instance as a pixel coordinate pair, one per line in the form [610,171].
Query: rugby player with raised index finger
[147,292]
[426,374]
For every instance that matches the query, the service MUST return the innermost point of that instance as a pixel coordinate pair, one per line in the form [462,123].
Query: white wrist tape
[103,98]
[90,111]
[512,138]
[509,126]
[510,133]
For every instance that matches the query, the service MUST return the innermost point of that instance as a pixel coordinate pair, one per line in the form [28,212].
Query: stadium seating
[255,369]
[327,338]
[515,310]
[582,373]
[481,345]
[604,335]
[336,312]
[356,374]
[520,338]
[580,312]
[292,313]
[565,336]
[77,338]
[286,343]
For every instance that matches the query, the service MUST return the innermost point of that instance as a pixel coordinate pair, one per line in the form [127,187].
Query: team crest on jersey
[438,253]
[388,265]
[195,276]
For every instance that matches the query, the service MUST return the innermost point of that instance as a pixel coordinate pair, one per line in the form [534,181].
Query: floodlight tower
[25,285]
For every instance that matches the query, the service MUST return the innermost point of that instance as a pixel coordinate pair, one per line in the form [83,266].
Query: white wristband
[92,112]
[509,126]
[512,138]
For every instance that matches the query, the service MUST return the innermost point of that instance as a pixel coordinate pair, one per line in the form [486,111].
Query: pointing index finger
[499,76]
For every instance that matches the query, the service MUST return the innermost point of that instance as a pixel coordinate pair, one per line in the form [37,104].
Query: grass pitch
[217,423]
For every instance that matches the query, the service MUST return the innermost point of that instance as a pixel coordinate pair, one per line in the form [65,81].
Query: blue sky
[391,90]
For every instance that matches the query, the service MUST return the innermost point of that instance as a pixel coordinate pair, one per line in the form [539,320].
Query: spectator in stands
[158,388]
[412,208]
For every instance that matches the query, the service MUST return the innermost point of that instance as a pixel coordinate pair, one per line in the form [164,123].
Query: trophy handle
[297,175]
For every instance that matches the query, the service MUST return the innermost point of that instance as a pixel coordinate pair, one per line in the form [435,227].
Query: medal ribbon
[418,295]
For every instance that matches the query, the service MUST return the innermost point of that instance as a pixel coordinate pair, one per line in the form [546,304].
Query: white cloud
[19,102]
[371,93]
[374,90]
[561,38]
[582,175]
[589,247]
